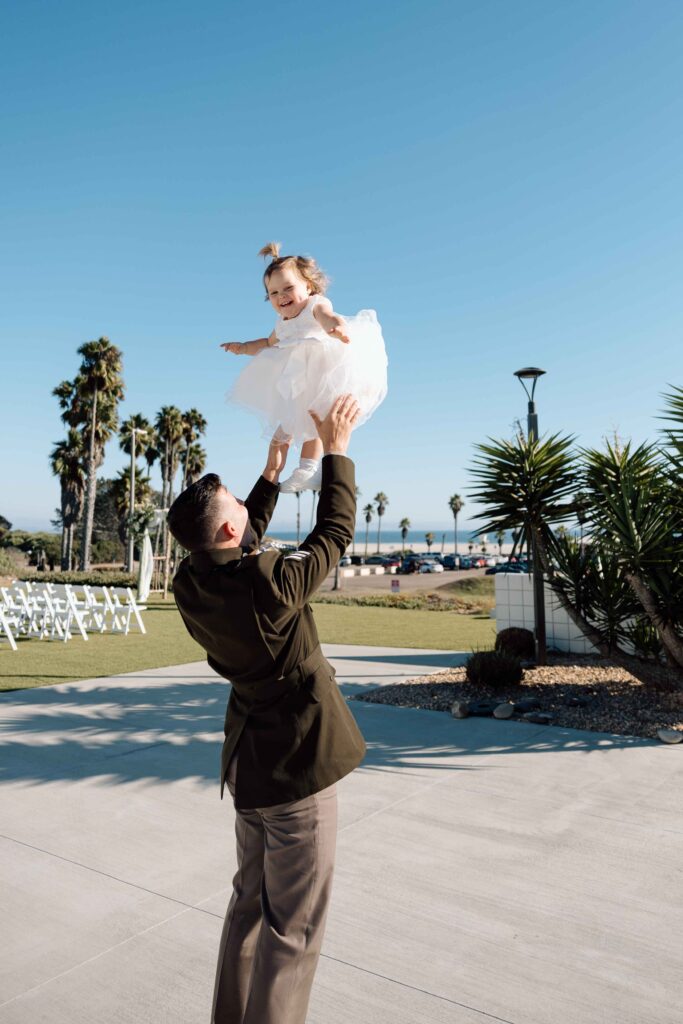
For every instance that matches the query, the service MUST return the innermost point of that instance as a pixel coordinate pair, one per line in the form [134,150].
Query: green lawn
[392,627]
[42,662]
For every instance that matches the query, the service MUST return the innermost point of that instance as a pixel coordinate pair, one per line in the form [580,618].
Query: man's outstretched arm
[263,496]
[299,574]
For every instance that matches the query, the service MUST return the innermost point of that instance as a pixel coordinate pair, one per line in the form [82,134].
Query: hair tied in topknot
[271,251]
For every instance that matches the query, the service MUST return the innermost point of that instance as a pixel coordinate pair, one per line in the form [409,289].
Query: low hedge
[415,602]
[97,578]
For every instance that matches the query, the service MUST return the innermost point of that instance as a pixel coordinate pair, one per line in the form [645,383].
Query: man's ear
[227,531]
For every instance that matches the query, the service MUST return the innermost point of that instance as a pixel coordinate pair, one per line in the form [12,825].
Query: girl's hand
[232,346]
[339,332]
[335,326]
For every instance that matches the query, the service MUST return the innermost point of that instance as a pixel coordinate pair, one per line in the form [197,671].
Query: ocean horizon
[415,538]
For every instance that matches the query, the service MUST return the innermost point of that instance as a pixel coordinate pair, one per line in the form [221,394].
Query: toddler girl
[312,356]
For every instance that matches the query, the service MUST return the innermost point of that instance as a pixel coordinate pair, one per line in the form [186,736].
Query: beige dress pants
[275,921]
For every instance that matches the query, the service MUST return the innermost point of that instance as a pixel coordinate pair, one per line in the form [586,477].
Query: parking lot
[410,584]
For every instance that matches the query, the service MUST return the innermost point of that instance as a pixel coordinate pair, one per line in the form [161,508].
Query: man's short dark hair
[192,516]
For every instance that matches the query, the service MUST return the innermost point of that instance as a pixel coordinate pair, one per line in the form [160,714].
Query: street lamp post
[532,373]
[131,510]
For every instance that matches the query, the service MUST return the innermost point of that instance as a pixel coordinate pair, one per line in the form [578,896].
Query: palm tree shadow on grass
[173,731]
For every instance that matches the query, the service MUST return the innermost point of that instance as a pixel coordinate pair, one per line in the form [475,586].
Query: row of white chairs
[58,611]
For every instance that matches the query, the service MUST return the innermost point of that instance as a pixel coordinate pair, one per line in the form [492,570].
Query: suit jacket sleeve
[260,505]
[299,574]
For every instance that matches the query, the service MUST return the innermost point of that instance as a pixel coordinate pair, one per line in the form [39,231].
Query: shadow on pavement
[163,732]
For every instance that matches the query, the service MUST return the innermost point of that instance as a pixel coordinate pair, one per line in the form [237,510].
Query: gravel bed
[617,701]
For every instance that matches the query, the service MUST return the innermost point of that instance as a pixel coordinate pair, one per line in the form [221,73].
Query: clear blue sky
[500,181]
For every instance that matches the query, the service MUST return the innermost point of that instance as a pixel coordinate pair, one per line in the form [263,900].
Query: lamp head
[531,373]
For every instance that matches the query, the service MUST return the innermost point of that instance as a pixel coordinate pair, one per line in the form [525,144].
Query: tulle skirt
[281,384]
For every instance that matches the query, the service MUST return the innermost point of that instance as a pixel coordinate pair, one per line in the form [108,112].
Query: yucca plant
[626,585]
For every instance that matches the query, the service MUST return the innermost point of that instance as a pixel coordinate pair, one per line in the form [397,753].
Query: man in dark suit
[289,735]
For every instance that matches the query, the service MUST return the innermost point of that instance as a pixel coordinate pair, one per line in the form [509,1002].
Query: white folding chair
[9,623]
[123,609]
[34,614]
[97,608]
[75,608]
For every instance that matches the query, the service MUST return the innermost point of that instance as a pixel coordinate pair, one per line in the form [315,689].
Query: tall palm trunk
[379,529]
[64,543]
[91,489]
[455,533]
[367,531]
[69,547]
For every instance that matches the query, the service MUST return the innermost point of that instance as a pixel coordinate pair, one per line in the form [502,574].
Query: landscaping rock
[527,704]
[483,708]
[505,710]
[670,735]
[538,717]
[577,702]
[460,709]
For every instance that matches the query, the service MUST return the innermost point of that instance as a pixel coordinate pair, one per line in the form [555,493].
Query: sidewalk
[475,880]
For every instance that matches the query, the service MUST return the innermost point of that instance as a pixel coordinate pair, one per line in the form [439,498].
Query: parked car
[465,562]
[375,560]
[357,560]
[408,565]
[430,566]
[451,561]
[392,561]
[513,567]
[345,560]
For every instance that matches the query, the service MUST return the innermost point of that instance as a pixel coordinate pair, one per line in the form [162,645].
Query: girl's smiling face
[288,292]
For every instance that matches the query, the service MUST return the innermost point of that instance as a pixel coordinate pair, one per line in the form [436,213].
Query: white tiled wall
[515,607]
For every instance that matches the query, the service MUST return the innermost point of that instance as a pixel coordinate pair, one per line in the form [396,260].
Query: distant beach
[391,541]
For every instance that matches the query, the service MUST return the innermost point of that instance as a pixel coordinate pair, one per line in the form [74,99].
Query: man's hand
[277,456]
[232,346]
[335,429]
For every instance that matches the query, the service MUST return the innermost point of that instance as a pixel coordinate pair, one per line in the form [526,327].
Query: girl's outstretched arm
[249,348]
[330,321]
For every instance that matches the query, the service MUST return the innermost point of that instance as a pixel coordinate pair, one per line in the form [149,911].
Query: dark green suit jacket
[249,611]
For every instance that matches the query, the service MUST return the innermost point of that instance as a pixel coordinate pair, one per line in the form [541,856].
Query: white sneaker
[303,480]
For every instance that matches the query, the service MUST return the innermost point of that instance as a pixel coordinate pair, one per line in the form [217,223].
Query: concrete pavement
[486,870]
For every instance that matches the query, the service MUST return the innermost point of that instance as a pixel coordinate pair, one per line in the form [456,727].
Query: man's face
[288,292]
[233,511]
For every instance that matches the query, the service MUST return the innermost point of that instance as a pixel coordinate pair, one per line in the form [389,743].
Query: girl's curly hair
[306,267]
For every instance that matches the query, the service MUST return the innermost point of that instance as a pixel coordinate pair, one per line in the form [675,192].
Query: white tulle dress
[307,369]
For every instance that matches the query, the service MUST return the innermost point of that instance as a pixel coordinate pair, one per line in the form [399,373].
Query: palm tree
[89,403]
[353,542]
[500,537]
[152,451]
[194,427]
[297,495]
[455,504]
[381,501]
[368,511]
[144,435]
[404,526]
[193,460]
[429,539]
[169,427]
[120,493]
[67,462]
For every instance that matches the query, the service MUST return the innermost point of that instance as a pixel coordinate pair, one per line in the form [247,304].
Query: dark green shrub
[496,669]
[96,578]
[517,641]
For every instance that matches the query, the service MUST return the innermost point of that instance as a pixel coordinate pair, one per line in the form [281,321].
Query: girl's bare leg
[312,449]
